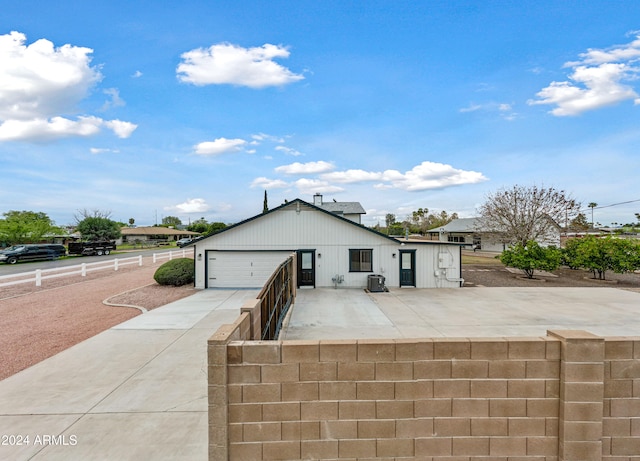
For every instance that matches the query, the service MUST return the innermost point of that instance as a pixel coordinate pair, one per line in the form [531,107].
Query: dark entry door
[407,268]
[306,268]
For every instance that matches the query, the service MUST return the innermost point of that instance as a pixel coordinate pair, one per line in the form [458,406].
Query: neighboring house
[468,232]
[154,233]
[330,251]
[352,211]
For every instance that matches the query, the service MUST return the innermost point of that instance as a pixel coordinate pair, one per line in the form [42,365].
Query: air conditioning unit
[375,283]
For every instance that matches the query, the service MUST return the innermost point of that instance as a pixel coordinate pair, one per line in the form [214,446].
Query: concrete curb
[106,302]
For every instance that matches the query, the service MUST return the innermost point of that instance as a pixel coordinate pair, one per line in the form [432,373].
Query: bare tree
[95,213]
[522,214]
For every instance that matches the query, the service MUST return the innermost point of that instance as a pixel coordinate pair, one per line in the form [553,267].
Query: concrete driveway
[327,313]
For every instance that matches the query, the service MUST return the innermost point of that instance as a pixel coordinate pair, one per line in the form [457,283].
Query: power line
[609,206]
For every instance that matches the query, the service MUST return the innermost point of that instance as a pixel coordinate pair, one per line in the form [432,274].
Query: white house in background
[331,250]
[468,232]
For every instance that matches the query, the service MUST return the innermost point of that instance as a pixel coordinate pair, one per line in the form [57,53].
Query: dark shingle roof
[343,207]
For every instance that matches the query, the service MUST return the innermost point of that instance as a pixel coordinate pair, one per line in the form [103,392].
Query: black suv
[38,252]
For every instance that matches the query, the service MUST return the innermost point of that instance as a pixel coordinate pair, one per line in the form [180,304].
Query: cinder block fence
[569,395]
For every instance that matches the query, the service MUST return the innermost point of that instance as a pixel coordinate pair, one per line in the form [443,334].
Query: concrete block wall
[565,396]
[621,402]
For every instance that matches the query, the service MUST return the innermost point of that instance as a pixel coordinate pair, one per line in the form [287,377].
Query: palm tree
[592,205]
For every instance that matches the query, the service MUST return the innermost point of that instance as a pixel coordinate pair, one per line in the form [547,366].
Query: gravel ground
[38,322]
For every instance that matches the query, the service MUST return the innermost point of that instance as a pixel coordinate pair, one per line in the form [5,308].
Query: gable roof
[298,202]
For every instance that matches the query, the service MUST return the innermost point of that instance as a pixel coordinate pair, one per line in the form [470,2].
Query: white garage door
[240,269]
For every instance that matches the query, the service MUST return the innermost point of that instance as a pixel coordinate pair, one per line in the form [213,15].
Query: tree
[132,221]
[265,204]
[602,254]
[216,227]
[200,225]
[97,229]
[96,225]
[592,205]
[579,223]
[531,257]
[522,214]
[396,229]
[389,219]
[95,213]
[25,226]
[171,221]
[421,220]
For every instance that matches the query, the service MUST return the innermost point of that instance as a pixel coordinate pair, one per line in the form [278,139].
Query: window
[456,238]
[360,261]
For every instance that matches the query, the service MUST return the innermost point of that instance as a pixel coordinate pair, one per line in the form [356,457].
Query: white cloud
[427,175]
[220,146]
[266,183]
[599,79]
[46,130]
[115,101]
[431,175]
[97,150]
[60,127]
[137,74]
[288,151]
[306,168]
[352,176]
[471,108]
[312,186]
[192,205]
[225,63]
[617,53]
[120,128]
[266,137]
[39,82]
[504,109]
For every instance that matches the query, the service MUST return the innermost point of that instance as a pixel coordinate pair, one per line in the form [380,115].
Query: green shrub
[531,257]
[176,272]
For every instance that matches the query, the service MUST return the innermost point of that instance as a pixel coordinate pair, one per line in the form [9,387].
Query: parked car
[30,252]
[183,242]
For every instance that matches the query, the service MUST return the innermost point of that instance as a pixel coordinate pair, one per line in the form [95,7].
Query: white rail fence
[83,269]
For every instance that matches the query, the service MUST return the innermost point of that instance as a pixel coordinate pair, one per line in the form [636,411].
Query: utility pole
[592,205]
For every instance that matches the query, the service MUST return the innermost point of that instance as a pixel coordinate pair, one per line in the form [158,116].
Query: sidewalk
[136,391]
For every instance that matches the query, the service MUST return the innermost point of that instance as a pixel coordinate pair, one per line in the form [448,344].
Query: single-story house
[331,251]
[468,232]
[154,233]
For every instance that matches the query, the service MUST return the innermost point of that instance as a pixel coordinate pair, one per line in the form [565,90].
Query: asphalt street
[7,269]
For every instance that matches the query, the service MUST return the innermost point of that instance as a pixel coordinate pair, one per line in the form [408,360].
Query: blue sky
[195,108]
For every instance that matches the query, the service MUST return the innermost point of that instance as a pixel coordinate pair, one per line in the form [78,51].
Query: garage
[242,269]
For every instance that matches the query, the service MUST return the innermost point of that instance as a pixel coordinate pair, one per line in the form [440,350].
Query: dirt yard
[485,270]
[38,322]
